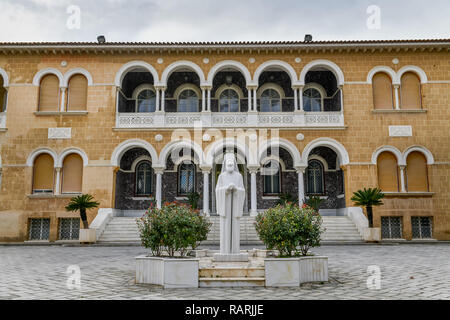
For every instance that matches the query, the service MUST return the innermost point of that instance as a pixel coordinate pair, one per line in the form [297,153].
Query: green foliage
[173,228]
[314,202]
[368,197]
[193,199]
[289,229]
[286,198]
[82,203]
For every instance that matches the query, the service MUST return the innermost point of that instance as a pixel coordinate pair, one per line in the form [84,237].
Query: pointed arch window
[144,176]
[186,178]
[315,177]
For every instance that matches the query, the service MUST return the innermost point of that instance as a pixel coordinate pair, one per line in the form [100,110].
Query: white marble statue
[230,197]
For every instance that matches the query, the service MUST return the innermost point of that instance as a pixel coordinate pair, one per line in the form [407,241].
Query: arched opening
[416,172]
[135,182]
[137,92]
[321,91]
[275,92]
[72,174]
[49,93]
[3,95]
[77,93]
[229,91]
[325,179]
[183,93]
[186,178]
[382,91]
[43,177]
[387,172]
[410,91]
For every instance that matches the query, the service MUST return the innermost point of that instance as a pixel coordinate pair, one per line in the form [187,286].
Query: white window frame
[188,86]
[308,192]
[320,89]
[233,87]
[138,90]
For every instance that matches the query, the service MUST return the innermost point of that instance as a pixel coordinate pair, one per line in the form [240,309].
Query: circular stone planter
[167,272]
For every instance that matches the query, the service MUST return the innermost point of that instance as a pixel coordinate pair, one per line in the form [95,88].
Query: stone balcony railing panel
[229,119]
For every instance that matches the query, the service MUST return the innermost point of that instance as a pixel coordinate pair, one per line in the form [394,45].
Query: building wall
[93,133]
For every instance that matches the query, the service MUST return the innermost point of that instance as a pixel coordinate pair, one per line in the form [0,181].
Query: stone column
[158,193]
[402,178]
[58,180]
[249,96]
[63,99]
[163,99]
[157,99]
[301,185]
[300,97]
[255,102]
[206,172]
[397,101]
[295,98]
[341,93]
[209,100]
[203,99]
[253,192]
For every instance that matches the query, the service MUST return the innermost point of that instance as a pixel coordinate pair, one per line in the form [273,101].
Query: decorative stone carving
[59,133]
[400,131]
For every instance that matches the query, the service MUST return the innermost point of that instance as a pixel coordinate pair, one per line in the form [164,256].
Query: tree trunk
[370,216]
[84,219]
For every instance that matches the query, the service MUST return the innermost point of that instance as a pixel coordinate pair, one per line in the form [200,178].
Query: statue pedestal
[237,257]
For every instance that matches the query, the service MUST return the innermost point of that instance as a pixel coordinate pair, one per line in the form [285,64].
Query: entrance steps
[231,276]
[124,230]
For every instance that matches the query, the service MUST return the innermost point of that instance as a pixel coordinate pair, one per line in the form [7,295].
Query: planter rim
[282,259]
[166,258]
[314,257]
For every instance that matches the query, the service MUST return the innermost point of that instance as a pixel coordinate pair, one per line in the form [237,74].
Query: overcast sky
[225,20]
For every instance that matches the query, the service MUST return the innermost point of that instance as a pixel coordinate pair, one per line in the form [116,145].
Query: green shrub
[314,202]
[192,198]
[290,229]
[286,198]
[173,228]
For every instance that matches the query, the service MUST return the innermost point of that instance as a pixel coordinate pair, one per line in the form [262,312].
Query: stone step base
[231,272]
[231,282]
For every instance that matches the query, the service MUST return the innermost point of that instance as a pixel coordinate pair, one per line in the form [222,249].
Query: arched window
[272,177]
[3,95]
[77,93]
[144,175]
[72,174]
[188,101]
[382,91]
[387,172]
[270,101]
[315,177]
[186,178]
[410,91]
[229,101]
[43,174]
[312,100]
[146,101]
[49,93]
[416,172]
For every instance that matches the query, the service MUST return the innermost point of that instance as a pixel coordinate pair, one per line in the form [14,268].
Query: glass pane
[265,105]
[224,106]
[276,106]
[188,101]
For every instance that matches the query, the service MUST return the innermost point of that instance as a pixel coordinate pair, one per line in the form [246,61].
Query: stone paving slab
[416,271]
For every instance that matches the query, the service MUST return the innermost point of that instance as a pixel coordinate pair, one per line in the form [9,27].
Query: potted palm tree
[369,198]
[82,203]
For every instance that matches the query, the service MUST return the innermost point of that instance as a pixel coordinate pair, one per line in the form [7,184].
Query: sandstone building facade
[133,122]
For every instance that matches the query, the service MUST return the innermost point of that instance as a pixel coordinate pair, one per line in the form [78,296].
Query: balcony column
[295,98]
[163,99]
[300,99]
[402,178]
[253,193]
[158,194]
[157,108]
[63,99]
[58,181]
[203,99]
[206,171]
[249,96]
[341,93]
[255,102]
[301,185]
[397,101]
[209,100]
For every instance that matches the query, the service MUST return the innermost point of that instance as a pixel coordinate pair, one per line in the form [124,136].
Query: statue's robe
[230,212]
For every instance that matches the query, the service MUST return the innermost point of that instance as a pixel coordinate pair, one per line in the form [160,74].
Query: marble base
[239,257]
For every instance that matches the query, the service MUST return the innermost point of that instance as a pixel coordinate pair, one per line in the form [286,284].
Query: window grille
[186,179]
[69,228]
[39,229]
[271,173]
[421,227]
[315,177]
[391,227]
[144,173]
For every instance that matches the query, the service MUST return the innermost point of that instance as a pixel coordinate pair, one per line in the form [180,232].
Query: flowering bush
[173,228]
[290,229]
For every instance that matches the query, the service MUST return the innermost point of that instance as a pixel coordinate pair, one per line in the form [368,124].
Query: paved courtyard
[412,271]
